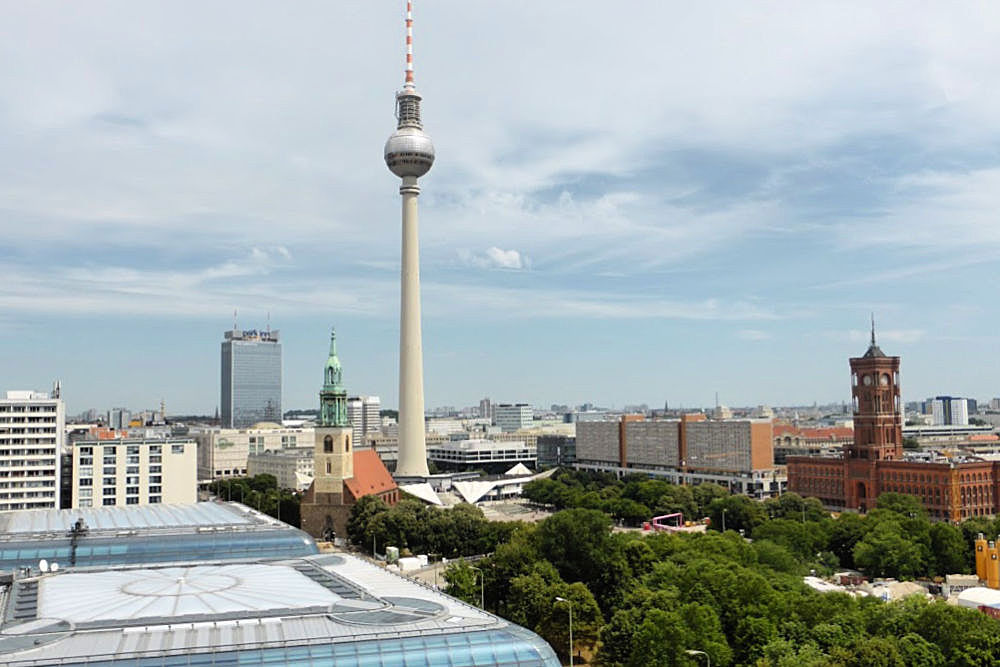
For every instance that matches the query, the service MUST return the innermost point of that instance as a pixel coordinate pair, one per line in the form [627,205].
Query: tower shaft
[412,446]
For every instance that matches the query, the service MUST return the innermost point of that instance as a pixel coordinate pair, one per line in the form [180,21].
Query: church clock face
[867,380]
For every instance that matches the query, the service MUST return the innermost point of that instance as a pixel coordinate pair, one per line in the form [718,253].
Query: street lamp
[723,520]
[708,658]
[482,587]
[570,603]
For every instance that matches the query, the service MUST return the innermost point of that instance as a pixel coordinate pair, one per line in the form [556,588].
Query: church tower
[878,423]
[332,456]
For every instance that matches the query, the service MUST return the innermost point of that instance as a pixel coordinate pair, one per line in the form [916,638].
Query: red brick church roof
[370,475]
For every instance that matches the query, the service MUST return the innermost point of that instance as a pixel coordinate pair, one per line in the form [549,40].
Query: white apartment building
[225,452]
[514,417]
[32,428]
[294,467]
[134,472]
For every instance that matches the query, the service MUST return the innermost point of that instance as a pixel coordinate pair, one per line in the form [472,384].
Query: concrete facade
[225,453]
[115,473]
[292,467]
[32,428]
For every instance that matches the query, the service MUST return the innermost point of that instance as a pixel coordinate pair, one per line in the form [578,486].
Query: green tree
[362,513]
[887,552]
[704,494]
[948,549]
[741,513]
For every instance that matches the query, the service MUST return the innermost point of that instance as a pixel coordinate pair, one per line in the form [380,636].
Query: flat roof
[328,602]
[141,518]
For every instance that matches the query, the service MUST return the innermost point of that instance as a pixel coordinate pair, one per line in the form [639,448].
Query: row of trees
[415,527]
[897,539]
[630,501]
[645,599]
[262,493]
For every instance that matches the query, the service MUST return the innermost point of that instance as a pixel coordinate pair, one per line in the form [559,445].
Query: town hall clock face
[884,380]
[867,380]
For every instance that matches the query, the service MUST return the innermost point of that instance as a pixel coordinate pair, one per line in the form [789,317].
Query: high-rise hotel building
[251,378]
[32,427]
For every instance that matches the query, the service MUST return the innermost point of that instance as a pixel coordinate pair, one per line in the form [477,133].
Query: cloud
[494,258]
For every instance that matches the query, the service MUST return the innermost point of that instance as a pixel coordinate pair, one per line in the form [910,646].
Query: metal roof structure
[134,517]
[330,609]
[146,534]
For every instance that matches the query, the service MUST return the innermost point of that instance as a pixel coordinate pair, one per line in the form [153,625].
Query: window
[176,449]
[133,449]
[87,482]
[155,479]
[132,490]
[109,492]
[132,500]
[109,501]
[154,499]
[109,470]
[155,489]
[109,451]
[109,481]
[329,468]
[347,444]
[328,444]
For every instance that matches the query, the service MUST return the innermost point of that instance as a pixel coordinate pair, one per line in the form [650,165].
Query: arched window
[329,467]
[328,444]
[347,444]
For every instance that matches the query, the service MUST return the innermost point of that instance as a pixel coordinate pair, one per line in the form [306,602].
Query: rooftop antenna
[408,82]
[234,319]
[873,328]
[269,321]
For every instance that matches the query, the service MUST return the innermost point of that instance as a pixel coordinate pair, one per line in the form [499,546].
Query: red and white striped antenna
[409,44]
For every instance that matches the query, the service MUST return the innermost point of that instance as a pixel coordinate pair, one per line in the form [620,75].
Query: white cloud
[494,258]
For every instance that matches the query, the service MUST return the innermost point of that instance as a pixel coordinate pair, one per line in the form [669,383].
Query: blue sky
[640,202]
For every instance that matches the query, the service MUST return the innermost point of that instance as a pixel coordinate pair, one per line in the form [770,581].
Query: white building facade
[514,417]
[224,452]
[293,468]
[114,473]
[32,426]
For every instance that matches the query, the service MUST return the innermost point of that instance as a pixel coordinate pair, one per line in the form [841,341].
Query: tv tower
[409,154]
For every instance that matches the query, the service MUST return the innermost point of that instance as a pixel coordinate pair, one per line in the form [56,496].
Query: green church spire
[333,396]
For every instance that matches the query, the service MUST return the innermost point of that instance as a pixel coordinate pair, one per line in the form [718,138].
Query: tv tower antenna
[409,154]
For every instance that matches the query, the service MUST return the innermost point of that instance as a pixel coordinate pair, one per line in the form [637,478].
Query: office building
[224,452]
[736,453]
[320,610]
[491,456]
[556,450]
[134,471]
[293,467]
[32,426]
[952,488]
[101,536]
[513,417]
[251,378]
[363,413]
[949,410]
[487,410]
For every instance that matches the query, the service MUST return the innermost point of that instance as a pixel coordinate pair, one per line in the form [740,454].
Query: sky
[640,202]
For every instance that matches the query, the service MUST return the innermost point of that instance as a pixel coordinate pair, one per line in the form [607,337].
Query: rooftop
[332,607]
[141,518]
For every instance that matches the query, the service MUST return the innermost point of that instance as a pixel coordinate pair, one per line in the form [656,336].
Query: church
[343,473]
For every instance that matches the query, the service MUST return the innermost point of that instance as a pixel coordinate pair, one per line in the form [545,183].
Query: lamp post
[482,587]
[708,658]
[570,603]
[723,519]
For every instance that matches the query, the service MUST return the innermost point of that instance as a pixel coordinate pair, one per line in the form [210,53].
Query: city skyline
[698,200]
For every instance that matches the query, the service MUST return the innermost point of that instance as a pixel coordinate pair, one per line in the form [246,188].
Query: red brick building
[952,489]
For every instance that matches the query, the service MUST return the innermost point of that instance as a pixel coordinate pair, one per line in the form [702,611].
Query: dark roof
[874,351]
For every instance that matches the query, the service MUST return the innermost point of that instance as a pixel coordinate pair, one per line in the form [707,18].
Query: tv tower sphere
[409,151]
